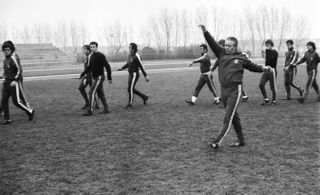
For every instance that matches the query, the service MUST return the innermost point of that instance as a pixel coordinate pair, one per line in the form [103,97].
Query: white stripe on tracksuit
[18,88]
[312,78]
[273,70]
[233,112]
[94,92]
[131,87]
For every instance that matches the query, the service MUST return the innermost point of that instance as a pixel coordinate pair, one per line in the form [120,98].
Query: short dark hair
[269,42]
[87,47]
[289,41]
[9,44]
[222,42]
[94,43]
[134,46]
[312,44]
[235,40]
[204,46]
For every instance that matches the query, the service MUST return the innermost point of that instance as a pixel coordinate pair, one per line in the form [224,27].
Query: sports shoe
[214,145]
[31,115]
[287,98]
[301,92]
[145,100]
[6,122]
[216,101]
[190,102]
[96,107]
[89,113]
[129,105]
[273,103]
[266,101]
[85,107]
[300,100]
[238,144]
[245,98]
[105,111]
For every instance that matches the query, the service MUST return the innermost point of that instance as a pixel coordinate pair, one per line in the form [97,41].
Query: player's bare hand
[147,79]
[203,28]
[190,64]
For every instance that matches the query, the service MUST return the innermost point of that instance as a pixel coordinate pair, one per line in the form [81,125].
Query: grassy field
[160,148]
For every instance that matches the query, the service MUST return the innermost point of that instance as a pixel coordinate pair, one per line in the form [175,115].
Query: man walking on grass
[231,64]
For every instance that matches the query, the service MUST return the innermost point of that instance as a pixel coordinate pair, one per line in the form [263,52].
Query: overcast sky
[135,11]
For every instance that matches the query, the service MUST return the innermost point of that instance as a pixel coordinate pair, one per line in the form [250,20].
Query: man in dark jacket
[311,57]
[134,65]
[271,76]
[96,66]
[12,84]
[231,65]
[292,56]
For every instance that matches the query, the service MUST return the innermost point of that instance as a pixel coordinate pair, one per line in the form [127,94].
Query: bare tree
[146,36]
[242,37]
[37,31]
[301,31]
[250,22]
[74,36]
[272,21]
[116,36]
[177,27]
[218,19]
[26,34]
[262,14]
[284,26]
[165,21]
[156,32]
[185,26]
[3,31]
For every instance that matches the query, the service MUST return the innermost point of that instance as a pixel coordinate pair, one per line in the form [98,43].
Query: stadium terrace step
[41,55]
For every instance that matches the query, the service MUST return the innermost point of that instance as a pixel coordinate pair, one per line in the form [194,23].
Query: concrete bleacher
[41,56]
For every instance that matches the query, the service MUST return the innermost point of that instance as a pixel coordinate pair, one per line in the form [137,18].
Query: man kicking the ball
[231,64]
[205,77]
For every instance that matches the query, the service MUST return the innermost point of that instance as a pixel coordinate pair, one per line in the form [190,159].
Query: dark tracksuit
[216,66]
[271,76]
[291,58]
[206,77]
[231,67]
[85,81]
[96,66]
[12,86]
[312,59]
[133,65]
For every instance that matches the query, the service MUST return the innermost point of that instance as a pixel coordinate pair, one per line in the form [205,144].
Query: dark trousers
[85,81]
[205,79]
[15,90]
[231,97]
[132,81]
[288,81]
[270,76]
[97,87]
[312,82]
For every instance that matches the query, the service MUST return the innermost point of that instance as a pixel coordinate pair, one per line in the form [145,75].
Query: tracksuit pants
[15,90]
[311,82]
[231,97]
[85,81]
[97,87]
[288,81]
[270,76]
[205,79]
[132,81]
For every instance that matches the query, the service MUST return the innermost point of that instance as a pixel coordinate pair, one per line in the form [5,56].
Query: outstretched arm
[215,47]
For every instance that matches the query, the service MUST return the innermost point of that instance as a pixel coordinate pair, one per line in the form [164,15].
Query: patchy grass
[159,148]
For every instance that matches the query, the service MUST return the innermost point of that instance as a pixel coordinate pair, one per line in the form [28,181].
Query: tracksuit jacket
[97,62]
